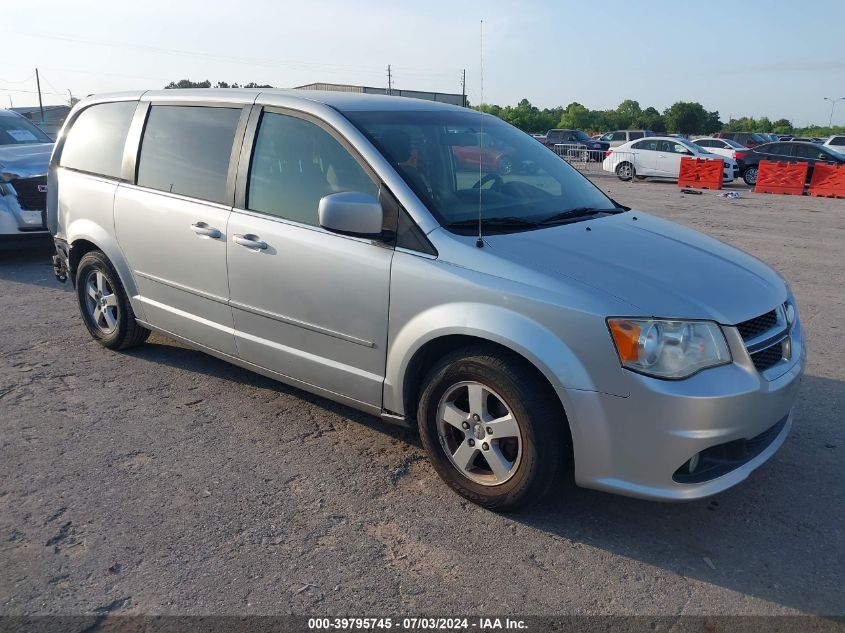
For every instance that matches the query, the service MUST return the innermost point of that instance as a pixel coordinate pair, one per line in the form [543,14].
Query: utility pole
[464,87]
[70,103]
[40,103]
[389,81]
[832,105]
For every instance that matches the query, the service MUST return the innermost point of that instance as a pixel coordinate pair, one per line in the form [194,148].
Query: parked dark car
[787,151]
[577,142]
[748,139]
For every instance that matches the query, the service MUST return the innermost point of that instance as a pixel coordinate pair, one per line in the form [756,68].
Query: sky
[775,58]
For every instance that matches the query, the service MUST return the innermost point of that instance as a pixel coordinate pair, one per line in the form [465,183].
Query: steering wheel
[496,178]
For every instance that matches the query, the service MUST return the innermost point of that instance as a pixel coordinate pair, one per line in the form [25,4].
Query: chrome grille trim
[764,337]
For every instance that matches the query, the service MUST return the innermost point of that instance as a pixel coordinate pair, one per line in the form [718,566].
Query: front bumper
[635,445]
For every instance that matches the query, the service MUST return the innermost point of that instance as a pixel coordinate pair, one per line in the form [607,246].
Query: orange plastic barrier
[828,181]
[700,172]
[786,178]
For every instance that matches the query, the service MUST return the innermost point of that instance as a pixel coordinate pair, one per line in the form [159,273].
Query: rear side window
[649,145]
[294,164]
[706,143]
[186,150]
[838,141]
[635,135]
[619,136]
[95,142]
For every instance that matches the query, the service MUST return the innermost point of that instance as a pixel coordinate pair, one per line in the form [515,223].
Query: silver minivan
[366,249]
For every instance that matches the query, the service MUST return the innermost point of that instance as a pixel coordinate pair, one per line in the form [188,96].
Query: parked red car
[492,154]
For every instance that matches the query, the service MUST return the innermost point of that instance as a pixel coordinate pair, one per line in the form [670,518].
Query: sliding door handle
[201,228]
[250,241]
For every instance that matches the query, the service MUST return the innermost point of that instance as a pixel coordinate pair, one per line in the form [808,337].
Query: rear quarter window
[97,137]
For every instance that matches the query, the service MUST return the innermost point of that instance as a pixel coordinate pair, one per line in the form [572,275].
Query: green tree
[651,119]
[782,126]
[187,83]
[575,117]
[687,117]
[628,113]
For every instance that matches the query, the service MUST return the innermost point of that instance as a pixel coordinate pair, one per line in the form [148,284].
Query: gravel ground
[163,481]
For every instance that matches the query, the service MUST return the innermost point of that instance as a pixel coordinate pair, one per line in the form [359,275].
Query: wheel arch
[84,236]
[420,343]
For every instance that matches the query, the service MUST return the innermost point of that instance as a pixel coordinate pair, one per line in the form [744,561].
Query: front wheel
[625,171]
[491,430]
[750,176]
[104,305]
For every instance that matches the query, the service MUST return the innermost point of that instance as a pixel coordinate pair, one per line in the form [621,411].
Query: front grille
[28,195]
[768,357]
[756,326]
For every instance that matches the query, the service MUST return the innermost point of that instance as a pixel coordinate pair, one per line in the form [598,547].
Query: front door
[309,304]
[669,159]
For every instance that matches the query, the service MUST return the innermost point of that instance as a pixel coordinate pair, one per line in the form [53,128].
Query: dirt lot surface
[164,481]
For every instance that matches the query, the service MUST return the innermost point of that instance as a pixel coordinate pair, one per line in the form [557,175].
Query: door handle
[201,228]
[250,241]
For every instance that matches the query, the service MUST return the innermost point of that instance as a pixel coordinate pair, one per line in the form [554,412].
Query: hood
[661,268]
[24,161]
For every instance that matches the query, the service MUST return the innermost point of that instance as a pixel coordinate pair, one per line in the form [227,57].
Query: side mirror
[352,213]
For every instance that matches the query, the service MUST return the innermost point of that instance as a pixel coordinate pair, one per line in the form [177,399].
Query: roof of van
[343,101]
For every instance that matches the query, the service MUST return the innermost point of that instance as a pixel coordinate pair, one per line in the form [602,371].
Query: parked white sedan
[723,147]
[660,157]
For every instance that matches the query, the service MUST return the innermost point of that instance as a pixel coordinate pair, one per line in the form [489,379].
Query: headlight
[668,349]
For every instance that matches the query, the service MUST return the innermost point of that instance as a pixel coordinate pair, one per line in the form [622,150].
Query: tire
[530,450]
[750,175]
[104,305]
[505,165]
[625,171]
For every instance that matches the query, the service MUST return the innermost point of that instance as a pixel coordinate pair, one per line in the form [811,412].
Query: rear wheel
[104,305]
[492,431]
[750,176]
[625,171]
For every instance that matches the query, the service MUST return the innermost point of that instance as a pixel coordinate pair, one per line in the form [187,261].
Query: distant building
[54,117]
[442,97]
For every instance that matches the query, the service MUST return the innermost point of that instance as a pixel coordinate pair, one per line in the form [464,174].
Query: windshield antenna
[480,241]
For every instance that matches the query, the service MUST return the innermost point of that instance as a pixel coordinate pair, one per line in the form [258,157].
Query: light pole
[832,105]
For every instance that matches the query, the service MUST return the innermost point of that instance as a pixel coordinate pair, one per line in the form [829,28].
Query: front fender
[528,338]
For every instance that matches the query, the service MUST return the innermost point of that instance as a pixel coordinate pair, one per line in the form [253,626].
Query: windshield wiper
[508,222]
[577,214]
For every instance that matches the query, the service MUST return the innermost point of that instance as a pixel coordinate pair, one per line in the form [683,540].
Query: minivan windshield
[16,130]
[452,166]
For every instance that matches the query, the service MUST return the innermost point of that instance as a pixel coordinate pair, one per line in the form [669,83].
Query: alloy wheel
[101,302]
[479,433]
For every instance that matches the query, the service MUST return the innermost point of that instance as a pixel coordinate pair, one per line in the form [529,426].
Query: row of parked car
[660,156]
